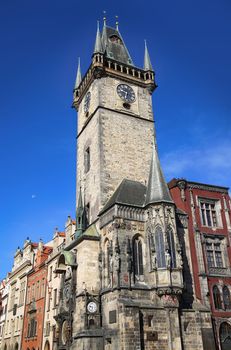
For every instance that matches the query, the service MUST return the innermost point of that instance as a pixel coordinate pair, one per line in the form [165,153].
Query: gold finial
[117,22]
[104,17]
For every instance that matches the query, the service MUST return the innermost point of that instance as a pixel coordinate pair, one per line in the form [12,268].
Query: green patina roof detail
[91,231]
[69,258]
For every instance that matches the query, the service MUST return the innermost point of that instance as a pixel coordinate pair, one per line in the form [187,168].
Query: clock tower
[115,120]
[126,267]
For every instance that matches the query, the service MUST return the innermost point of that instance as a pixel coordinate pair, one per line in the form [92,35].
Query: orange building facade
[32,335]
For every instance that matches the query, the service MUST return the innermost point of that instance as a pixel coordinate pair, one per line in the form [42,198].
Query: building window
[226,298]
[22,293]
[48,326]
[214,254]
[42,290]
[50,277]
[160,249]
[209,213]
[32,328]
[138,257]
[87,160]
[225,335]
[28,295]
[171,247]
[55,298]
[33,291]
[37,294]
[12,297]
[217,298]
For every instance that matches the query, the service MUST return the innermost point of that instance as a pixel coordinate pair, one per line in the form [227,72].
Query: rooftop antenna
[104,17]
[117,22]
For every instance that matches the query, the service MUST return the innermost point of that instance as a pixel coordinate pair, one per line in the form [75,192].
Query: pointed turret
[80,220]
[157,189]
[98,44]
[147,61]
[78,76]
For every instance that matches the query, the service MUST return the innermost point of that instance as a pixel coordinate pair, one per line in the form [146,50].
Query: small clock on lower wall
[92,307]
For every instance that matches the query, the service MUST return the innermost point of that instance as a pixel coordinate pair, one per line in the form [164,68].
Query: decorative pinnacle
[98,43]
[104,18]
[147,61]
[78,76]
[117,22]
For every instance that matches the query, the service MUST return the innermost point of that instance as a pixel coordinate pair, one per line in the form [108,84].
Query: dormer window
[115,39]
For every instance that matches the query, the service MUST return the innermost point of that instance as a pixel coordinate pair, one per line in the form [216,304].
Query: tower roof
[157,189]
[78,76]
[98,44]
[114,46]
[129,192]
[147,61]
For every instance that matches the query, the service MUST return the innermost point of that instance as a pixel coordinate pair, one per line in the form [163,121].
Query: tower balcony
[102,66]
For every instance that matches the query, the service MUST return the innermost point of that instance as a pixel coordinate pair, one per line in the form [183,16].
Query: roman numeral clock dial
[126,93]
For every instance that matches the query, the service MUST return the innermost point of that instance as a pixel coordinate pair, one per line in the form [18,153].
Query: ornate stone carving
[182,186]
[168,259]
[170,300]
[179,260]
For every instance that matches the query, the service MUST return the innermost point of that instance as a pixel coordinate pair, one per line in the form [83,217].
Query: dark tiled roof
[129,192]
[115,50]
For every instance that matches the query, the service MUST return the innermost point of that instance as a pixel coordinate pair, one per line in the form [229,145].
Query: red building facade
[32,336]
[209,228]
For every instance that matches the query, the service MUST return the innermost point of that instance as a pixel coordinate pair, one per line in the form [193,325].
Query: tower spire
[80,220]
[157,189]
[147,61]
[98,44]
[78,76]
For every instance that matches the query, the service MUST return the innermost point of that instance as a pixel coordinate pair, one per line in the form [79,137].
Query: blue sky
[189,44]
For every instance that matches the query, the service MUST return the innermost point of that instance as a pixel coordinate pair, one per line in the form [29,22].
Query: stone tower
[115,120]
[123,271]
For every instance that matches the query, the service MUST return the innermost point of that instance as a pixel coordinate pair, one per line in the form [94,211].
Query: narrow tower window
[160,249]
[87,211]
[171,246]
[87,160]
[138,257]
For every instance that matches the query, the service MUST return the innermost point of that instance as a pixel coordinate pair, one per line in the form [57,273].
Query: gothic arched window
[160,249]
[138,257]
[171,246]
[226,298]
[225,335]
[217,298]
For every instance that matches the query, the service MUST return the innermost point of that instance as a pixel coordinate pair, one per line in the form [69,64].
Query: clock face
[92,307]
[87,102]
[126,93]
